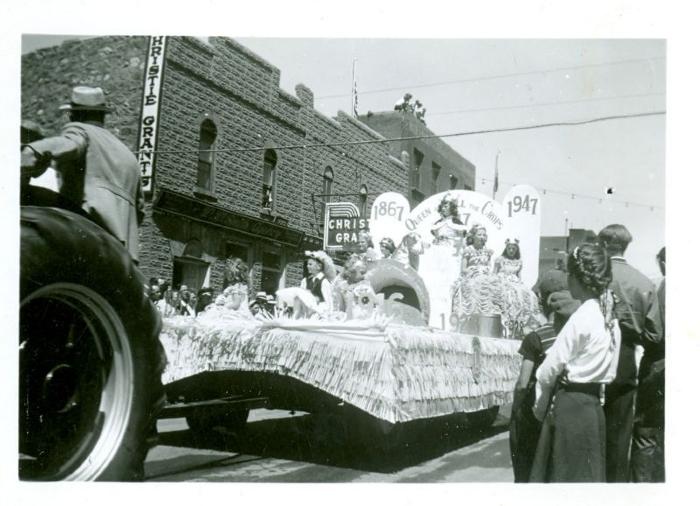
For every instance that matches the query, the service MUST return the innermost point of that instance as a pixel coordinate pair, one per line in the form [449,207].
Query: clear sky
[509,83]
[473,85]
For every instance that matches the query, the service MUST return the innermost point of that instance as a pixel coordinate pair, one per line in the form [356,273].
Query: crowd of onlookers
[184,301]
[586,408]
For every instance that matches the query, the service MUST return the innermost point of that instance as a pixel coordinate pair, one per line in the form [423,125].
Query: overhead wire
[474,132]
[413,137]
[497,76]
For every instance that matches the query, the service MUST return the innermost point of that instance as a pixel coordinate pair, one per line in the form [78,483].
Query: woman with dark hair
[557,306]
[582,359]
[387,247]
[449,229]
[234,299]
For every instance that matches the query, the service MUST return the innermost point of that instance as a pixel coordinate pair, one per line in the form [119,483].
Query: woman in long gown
[477,290]
[440,263]
[520,305]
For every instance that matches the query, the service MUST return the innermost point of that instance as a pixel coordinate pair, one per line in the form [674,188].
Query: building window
[415,170]
[189,269]
[416,197]
[435,177]
[363,201]
[327,187]
[454,181]
[467,186]
[268,185]
[205,167]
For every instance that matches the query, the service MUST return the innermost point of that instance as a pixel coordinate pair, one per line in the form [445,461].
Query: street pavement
[278,446]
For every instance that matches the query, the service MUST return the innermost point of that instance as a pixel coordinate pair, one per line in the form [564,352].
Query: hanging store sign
[342,226]
[150,107]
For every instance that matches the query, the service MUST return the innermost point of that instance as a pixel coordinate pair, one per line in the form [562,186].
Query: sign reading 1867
[342,226]
[150,105]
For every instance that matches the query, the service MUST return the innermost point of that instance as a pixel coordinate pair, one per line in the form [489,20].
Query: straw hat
[86,98]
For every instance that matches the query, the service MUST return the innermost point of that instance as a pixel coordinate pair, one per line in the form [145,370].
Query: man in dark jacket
[637,309]
[647,458]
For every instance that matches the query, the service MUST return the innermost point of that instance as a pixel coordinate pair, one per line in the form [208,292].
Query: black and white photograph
[250,257]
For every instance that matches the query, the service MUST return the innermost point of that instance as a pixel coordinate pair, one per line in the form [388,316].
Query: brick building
[554,249]
[434,165]
[237,171]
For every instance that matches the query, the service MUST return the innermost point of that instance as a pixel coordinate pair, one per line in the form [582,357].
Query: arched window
[454,181]
[205,167]
[327,184]
[268,185]
[363,201]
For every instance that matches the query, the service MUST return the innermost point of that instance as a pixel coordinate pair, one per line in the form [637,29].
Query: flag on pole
[495,177]
[355,101]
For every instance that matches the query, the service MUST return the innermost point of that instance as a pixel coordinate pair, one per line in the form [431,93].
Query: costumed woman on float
[480,291]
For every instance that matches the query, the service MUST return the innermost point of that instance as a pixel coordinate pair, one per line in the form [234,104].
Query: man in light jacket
[98,171]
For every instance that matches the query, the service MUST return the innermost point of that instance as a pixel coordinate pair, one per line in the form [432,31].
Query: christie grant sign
[342,226]
[150,105]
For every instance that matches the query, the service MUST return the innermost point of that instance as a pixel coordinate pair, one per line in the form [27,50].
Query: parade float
[405,359]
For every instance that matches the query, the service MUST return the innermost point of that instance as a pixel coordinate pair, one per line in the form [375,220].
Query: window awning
[191,208]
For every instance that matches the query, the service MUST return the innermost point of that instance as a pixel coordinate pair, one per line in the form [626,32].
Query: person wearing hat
[260,305]
[321,273]
[98,171]
[524,427]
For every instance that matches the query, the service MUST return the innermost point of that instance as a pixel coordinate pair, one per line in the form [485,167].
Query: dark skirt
[572,442]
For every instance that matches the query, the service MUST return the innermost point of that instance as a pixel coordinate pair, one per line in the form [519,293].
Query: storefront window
[271,272]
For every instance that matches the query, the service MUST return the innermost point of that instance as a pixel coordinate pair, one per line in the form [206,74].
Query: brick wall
[398,124]
[239,91]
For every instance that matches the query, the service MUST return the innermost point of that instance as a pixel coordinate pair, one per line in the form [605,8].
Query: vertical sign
[150,106]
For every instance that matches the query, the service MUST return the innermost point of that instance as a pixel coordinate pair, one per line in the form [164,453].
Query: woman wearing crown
[478,290]
[520,304]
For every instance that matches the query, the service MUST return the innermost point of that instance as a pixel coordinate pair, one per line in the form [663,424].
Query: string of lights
[547,104]
[497,76]
[576,195]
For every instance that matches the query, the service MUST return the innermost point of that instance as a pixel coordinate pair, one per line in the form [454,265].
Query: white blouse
[584,348]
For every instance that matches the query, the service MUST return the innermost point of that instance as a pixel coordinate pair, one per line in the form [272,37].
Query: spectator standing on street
[583,358]
[647,457]
[524,427]
[637,309]
[98,172]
